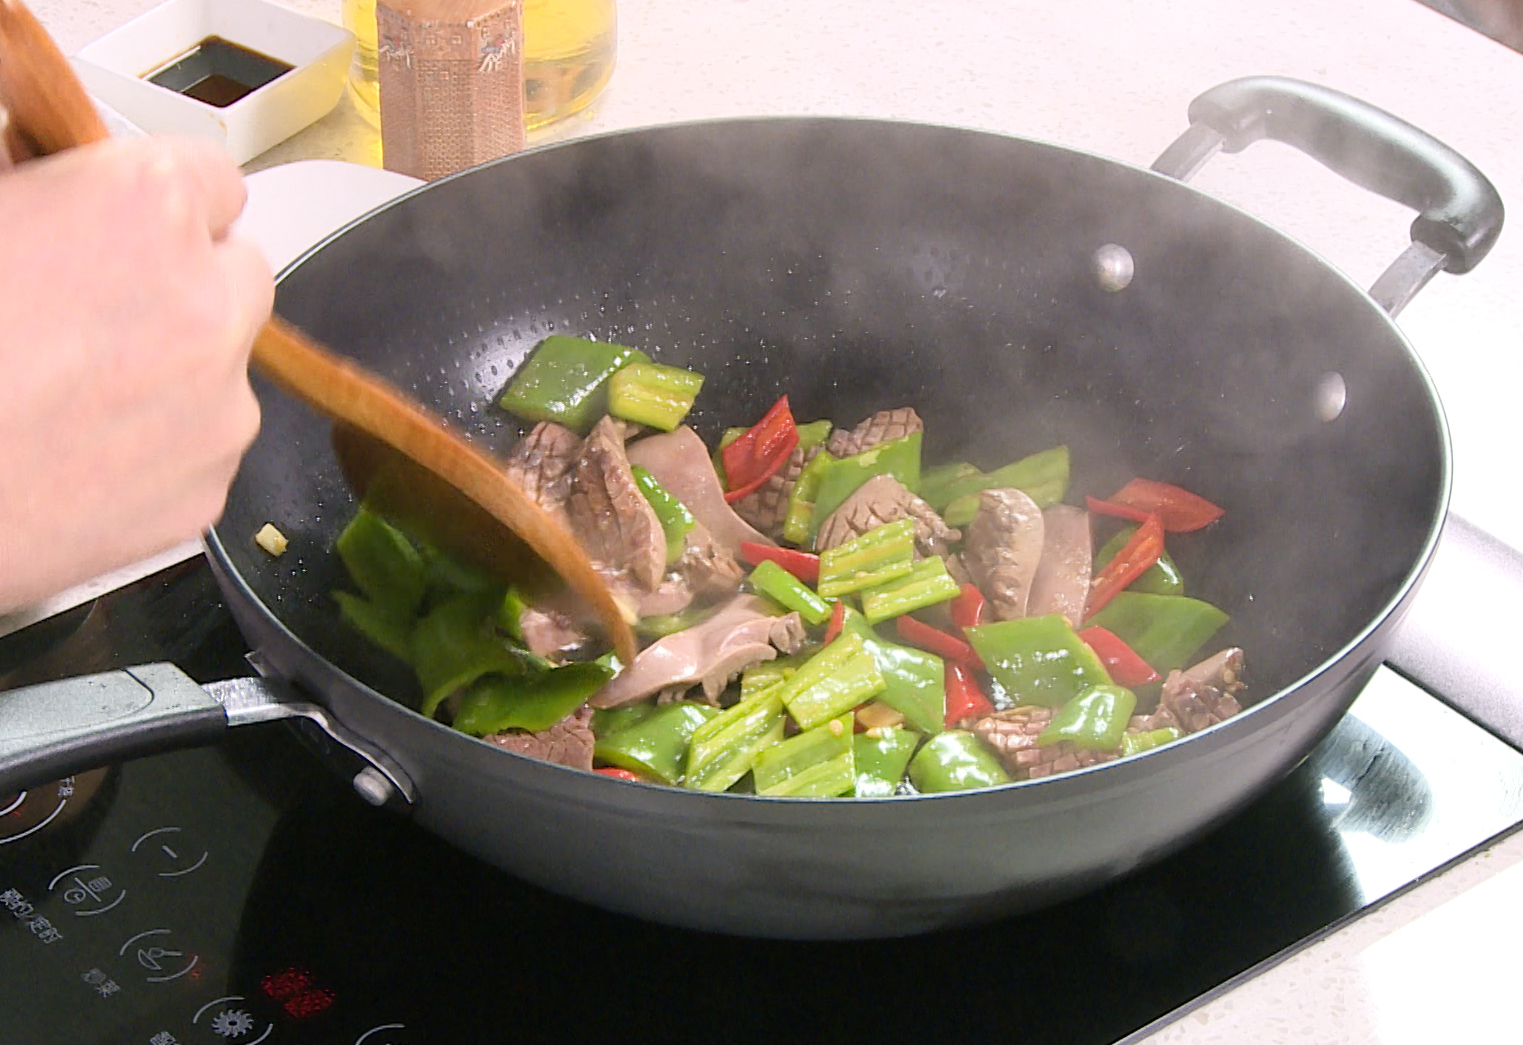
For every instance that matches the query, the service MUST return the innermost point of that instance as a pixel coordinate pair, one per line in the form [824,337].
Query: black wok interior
[858,265]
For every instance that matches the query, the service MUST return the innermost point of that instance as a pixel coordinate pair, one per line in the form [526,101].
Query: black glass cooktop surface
[243,894]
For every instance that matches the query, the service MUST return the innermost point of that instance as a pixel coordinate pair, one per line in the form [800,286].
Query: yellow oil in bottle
[569,48]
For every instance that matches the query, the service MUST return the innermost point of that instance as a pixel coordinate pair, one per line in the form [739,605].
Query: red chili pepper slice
[968,608]
[1125,666]
[1120,511]
[619,774]
[936,641]
[803,565]
[760,451]
[1179,510]
[1144,548]
[964,699]
[837,622]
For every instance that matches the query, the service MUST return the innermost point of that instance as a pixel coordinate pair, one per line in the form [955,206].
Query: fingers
[212,178]
[251,288]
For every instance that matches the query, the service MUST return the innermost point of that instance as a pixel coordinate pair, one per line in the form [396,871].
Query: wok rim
[232,581]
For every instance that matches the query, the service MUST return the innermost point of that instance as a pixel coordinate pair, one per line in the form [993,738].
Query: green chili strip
[897,457]
[879,555]
[955,761]
[1094,720]
[1161,578]
[798,523]
[914,681]
[653,394]
[531,702]
[380,626]
[789,592]
[456,644]
[881,756]
[927,583]
[817,763]
[656,747]
[382,563]
[608,721]
[676,521]
[934,482]
[769,673]
[836,679]
[665,624]
[565,381]
[1042,476]
[1038,660]
[1165,630]
[1133,743]
[723,748]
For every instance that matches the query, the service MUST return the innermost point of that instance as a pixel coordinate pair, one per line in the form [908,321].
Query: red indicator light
[292,987]
[309,1002]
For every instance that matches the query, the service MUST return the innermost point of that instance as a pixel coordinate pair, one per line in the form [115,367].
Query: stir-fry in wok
[822,616]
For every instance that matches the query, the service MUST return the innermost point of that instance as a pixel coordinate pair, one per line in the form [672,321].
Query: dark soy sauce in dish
[217,72]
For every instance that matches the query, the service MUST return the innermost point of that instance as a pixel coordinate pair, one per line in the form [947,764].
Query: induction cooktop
[242,894]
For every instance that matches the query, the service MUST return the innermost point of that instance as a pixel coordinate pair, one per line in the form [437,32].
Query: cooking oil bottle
[569,50]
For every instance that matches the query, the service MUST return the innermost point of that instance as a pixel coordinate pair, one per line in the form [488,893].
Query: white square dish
[115,68]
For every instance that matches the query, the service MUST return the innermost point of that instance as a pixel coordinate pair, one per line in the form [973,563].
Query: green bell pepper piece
[882,554]
[882,759]
[531,702]
[768,673]
[664,624]
[1042,476]
[676,521]
[834,680]
[935,482]
[1133,743]
[927,583]
[798,523]
[608,721]
[653,394]
[1094,720]
[914,681]
[1165,630]
[1038,660]
[723,748]
[656,747]
[955,761]
[565,380]
[455,644]
[379,625]
[1161,578]
[383,564]
[783,588]
[817,763]
[897,457]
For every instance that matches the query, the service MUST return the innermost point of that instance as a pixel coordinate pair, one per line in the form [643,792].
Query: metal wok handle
[1459,211]
[56,728]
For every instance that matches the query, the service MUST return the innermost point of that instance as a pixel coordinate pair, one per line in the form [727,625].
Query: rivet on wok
[1331,396]
[1113,267]
[373,786]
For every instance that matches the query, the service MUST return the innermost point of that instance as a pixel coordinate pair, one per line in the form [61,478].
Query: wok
[857,265]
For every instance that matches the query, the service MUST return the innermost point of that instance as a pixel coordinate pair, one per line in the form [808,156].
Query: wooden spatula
[50,111]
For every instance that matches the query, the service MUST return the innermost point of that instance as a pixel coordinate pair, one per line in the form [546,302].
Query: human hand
[127,312]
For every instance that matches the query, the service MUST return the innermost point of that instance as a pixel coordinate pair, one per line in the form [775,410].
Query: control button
[170,852]
[230,1021]
[385,1034]
[86,890]
[159,958]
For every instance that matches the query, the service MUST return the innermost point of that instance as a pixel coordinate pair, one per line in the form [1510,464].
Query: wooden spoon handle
[51,111]
[49,108]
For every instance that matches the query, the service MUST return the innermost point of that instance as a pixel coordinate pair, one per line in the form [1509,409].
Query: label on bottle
[451,84]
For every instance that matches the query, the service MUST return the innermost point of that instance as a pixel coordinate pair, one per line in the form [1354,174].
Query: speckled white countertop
[1114,77]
